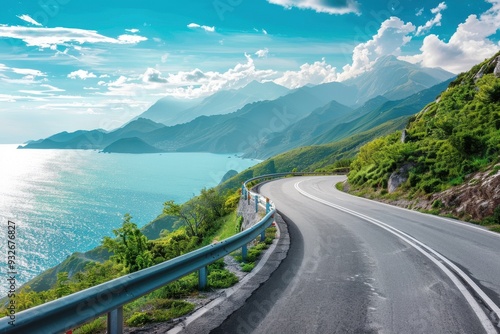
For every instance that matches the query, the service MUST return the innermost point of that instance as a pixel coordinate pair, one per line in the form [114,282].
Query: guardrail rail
[66,313]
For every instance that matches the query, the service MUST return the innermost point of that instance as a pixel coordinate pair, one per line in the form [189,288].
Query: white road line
[448,220]
[419,246]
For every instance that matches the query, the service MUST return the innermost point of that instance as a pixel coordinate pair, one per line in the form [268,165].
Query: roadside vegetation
[449,140]
[204,219]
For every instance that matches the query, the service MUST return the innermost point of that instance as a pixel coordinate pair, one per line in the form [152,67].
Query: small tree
[193,215]
[130,247]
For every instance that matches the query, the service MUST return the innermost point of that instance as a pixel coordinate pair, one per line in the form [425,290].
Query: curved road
[358,266]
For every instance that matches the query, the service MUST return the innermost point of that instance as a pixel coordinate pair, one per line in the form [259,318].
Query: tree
[193,215]
[131,247]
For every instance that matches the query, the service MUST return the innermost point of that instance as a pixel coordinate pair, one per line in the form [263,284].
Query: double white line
[427,251]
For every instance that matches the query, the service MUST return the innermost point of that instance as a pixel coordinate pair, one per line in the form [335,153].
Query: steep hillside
[443,145]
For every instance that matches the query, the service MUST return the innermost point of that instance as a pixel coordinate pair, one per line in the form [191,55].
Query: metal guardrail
[68,312]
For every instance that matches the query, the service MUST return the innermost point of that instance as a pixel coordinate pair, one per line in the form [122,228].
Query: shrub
[221,279]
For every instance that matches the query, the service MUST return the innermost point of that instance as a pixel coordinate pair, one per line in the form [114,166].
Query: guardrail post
[256,203]
[263,236]
[243,191]
[248,198]
[268,206]
[244,252]
[115,321]
[202,278]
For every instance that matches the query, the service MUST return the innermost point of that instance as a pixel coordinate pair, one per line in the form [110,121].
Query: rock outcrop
[496,71]
[398,178]
[476,199]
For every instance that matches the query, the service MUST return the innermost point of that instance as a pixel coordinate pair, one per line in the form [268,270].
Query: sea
[56,202]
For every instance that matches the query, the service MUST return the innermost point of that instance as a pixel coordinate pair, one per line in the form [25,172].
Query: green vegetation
[451,138]
[208,217]
[254,252]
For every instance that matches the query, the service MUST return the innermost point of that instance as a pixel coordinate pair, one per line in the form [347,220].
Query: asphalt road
[357,266]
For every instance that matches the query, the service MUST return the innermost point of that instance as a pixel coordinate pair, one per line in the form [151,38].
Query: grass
[229,226]
[494,228]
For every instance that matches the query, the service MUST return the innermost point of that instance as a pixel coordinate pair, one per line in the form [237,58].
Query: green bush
[220,279]
[248,267]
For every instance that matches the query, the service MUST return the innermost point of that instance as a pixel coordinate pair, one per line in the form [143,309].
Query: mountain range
[262,119]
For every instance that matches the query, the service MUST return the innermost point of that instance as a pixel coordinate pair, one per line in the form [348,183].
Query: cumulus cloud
[435,21]
[317,73]
[29,19]
[198,83]
[321,6]
[392,35]
[262,53]
[197,26]
[48,37]
[133,31]
[153,75]
[81,74]
[466,47]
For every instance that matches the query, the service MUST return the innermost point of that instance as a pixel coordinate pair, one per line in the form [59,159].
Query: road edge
[214,313]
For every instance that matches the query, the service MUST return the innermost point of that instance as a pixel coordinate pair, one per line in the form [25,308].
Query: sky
[67,64]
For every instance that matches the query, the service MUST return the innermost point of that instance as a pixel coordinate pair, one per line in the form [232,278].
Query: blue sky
[69,64]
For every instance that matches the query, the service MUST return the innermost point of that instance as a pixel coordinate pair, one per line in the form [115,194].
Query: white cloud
[435,21]
[442,6]
[153,75]
[104,76]
[48,91]
[264,31]
[466,47]
[81,74]
[48,37]
[197,83]
[28,72]
[317,73]
[29,19]
[419,12]
[133,31]
[164,57]
[321,6]
[262,53]
[391,36]
[197,26]
[131,39]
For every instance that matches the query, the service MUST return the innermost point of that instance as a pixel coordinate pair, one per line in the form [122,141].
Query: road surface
[357,266]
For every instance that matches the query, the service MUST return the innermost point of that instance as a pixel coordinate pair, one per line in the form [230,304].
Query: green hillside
[449,139]
[318,157]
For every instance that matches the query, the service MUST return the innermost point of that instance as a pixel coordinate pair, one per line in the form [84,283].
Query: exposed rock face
[398,178]
[479,74]
[476,199]
[496,71]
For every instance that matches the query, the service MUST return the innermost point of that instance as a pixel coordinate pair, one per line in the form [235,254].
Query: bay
[63,201]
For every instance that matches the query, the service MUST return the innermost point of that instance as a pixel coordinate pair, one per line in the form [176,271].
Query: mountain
[130,145]
[395,79]
[334,122]
[378,115]
[317,122]
[171,111]
[94,139]
[244,129]
[266,126]
[167,109]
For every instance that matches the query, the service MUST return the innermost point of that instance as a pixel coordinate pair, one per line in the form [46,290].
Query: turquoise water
[64,201]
